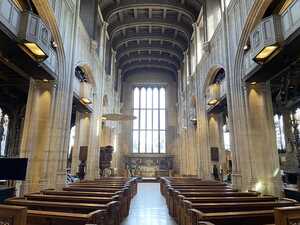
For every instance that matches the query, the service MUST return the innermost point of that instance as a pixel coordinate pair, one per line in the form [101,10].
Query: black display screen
[13,168]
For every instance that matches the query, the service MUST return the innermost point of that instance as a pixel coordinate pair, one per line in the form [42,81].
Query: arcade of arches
[204,89]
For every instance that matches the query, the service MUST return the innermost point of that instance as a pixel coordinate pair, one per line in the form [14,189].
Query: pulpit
[149,165]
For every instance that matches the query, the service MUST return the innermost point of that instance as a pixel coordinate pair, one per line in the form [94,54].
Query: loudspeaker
[83,151]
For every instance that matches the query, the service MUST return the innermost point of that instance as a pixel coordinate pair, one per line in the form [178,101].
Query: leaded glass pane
[155,142]
[155,98]
[162,142]
[149,119]
[143,120]
[162,98]
[135,141]
[142,141]
[143,98]
[162,118]
[149,98]
[136,121]
[149,141]
[155,119]
[136,97]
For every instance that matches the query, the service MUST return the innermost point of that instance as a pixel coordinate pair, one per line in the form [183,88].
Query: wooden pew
[188,203]
[118,196]
[108,212]
[125,193]
[230,207]
[257,217]
[287,215]
[109,204]
[105,187]
[36,217]
[283,216]
[13,215]
[174,199]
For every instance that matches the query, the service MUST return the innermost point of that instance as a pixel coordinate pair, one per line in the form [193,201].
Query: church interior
[149,112]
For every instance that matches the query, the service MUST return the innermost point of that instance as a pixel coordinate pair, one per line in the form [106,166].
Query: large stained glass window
[149,129]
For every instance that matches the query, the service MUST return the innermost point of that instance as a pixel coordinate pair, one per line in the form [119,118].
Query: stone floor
[148,207]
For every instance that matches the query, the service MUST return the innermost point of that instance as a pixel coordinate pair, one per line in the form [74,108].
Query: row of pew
[192,201]
[105,201]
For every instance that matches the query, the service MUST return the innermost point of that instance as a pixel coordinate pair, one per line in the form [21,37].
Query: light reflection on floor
[148,207]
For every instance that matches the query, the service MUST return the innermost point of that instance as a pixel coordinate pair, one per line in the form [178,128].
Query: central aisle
[148,207]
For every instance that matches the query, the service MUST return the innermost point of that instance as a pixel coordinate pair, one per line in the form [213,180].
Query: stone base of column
[60,180]
[236,181]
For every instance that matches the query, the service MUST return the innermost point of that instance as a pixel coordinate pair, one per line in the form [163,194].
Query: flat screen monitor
[13,168]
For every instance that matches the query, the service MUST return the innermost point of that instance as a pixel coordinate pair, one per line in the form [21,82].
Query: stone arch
[212,72]
[61,117]
[237,101]
[256,13]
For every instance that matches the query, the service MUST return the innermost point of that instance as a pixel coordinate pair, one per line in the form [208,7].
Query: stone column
[291,163]
[36,134]
[263,154]
[75,152]
[82,139]
[214,136]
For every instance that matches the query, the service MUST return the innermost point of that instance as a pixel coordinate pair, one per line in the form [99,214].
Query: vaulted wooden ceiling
[150,34]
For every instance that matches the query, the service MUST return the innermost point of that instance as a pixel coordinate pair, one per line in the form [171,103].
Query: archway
[251,106]
[218,126]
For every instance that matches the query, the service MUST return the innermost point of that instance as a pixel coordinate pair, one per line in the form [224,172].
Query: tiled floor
[148,207]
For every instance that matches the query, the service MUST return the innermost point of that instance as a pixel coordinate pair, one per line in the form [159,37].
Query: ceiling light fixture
[85,101]
[213,102]
[265,53]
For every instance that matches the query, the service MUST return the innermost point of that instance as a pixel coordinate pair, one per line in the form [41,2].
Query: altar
[149,165]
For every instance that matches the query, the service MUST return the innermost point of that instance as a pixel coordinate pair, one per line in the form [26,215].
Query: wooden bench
[110,210]
[257,217]
[173,201]
[287,215]
[13,215]
[184,204]
[36,217]
[116,196]
[229,207]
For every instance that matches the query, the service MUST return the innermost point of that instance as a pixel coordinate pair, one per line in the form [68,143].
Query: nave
[202,96]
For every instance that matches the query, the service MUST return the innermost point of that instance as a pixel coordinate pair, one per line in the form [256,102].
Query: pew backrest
[13,215]
[287,215]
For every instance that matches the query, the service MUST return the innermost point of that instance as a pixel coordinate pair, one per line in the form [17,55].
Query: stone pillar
[204,162]
[35,144]
[214,136]
[92,170]
[291,163]
[263,154]
[81,138]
